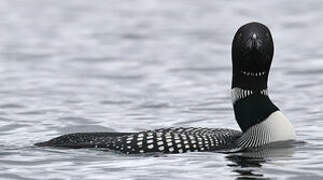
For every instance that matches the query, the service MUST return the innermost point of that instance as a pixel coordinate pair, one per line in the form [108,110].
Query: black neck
[253,109]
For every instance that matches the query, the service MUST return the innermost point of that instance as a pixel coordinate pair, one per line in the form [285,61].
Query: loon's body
[260,120]
[169,140]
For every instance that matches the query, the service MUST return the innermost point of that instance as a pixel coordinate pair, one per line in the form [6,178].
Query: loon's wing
[83,140]
[175,140]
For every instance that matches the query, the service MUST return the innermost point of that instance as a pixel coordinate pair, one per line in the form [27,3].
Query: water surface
[69,66]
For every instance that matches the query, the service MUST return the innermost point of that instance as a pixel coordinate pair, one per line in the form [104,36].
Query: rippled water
[69,66]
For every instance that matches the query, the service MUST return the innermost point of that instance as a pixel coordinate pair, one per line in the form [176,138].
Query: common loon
[260,120]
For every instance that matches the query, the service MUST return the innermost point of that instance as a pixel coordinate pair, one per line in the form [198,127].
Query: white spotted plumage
[176,140]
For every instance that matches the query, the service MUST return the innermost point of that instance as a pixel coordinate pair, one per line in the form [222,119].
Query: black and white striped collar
[238,93]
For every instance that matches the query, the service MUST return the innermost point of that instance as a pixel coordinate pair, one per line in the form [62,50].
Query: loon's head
[252,53]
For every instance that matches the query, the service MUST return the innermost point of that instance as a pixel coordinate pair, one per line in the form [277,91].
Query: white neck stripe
[238,93]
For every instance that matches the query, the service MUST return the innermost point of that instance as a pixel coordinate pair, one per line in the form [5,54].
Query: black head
[252,53]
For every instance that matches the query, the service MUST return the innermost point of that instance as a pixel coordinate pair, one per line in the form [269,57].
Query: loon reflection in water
[260,120]
[248,164]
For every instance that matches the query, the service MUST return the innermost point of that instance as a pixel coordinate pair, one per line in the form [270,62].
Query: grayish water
[69,66]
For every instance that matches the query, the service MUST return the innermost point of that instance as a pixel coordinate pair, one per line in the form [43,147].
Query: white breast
[273,129]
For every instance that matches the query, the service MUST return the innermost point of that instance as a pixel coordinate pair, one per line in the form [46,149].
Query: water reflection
[248,164]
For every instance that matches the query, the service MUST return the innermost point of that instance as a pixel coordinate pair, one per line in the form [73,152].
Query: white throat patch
[238,93]
[273,129]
